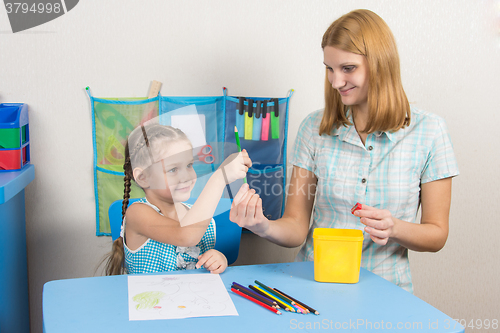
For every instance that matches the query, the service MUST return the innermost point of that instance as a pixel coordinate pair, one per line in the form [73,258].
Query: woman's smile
[345,92]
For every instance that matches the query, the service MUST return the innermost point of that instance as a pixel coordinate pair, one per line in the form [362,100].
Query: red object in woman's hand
[356,207]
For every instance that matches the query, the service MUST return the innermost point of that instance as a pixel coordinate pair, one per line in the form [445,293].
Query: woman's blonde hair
[364,32]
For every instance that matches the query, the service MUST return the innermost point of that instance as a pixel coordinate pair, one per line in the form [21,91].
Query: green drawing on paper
[148,299]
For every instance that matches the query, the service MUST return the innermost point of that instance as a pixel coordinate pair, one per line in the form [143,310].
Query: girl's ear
[140,178]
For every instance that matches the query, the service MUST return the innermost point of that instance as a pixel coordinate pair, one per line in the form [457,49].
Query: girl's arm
[290,230]
[187,230]
[430,235]
[144,222]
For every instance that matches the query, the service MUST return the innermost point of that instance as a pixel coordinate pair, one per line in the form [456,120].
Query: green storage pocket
[109,188]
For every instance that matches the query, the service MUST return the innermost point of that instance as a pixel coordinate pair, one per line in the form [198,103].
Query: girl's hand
[246,211]
[212,260]
[236,166]
[379,223]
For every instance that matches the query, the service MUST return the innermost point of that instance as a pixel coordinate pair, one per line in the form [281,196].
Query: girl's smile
[184,188]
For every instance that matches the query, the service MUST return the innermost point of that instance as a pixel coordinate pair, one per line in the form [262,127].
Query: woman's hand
[236,166]
[212,260]
[379,223]
[246,211]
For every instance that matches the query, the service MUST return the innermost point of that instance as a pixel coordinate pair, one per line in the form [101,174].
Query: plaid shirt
[155,257]
[385,173]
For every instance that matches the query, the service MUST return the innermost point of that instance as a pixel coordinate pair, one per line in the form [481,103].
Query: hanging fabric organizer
[262,128]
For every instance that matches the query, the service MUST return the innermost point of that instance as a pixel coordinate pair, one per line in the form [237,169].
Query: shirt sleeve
[441,162]
[304,154]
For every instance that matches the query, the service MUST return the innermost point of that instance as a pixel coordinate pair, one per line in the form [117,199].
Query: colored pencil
[281,297]
[302,304]
[304,309]
[285,304]
[237,137]
[258,291]
[256,301]
[253,294]
[275,293]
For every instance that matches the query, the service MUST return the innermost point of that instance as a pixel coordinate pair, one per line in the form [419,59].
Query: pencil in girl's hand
[299,302]
[237,137]
[255,301]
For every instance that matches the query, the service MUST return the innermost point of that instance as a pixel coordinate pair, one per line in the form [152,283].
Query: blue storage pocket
[113,119]
[269,151]
[268,181]
[209,109]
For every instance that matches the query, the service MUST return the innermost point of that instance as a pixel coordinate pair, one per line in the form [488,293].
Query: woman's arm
[290,230]
[428,236]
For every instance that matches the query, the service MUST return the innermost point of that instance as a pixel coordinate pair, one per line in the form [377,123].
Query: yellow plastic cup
[337,255]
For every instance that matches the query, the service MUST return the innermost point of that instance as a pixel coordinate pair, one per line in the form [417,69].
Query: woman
[368,146]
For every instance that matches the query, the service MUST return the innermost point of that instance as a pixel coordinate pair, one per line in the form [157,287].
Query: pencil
[282,303]
[253,294]
[237,137]
[297,306]
[300,303]
[255,301]
[258,291]
[304,310]
[275,293]
[281,297]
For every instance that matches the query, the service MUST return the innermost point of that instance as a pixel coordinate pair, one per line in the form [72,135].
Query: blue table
[14,303]
[100,304]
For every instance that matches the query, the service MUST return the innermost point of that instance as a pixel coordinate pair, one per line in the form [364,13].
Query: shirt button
[363,180]
[370,148]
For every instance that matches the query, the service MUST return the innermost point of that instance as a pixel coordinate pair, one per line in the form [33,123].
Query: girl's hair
[140,151]
[364,32]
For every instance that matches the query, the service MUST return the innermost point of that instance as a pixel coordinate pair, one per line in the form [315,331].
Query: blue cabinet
[14,302]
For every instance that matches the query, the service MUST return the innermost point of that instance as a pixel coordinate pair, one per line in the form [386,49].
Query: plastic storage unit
[14,136]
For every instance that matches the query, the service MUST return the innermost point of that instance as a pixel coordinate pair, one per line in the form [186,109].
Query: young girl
[159,232]
[368,146]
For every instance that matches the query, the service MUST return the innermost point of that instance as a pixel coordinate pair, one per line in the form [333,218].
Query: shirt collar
[395,136]
[343,132]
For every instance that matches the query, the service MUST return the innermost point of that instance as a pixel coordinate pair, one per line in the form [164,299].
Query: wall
[450,55]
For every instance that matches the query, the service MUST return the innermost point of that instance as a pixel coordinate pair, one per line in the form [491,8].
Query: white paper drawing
[178,296]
